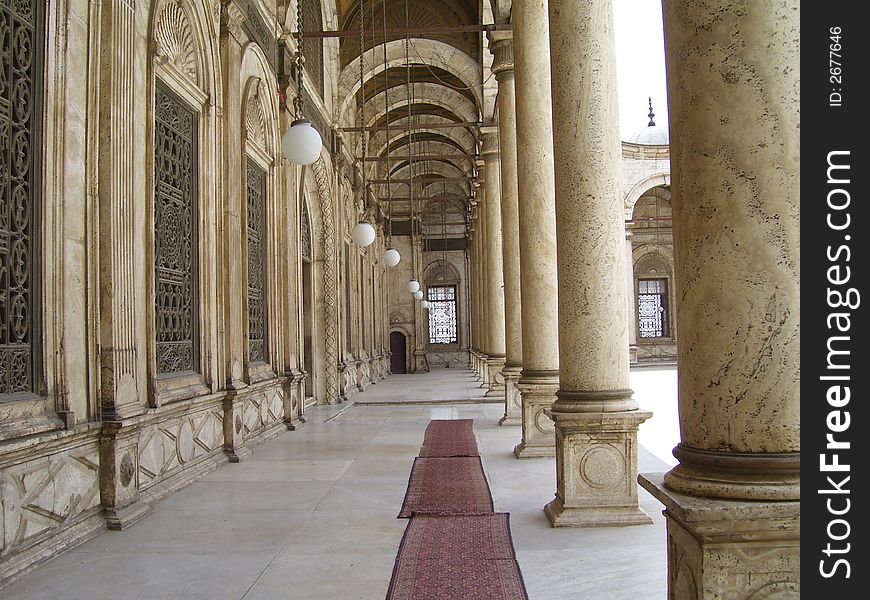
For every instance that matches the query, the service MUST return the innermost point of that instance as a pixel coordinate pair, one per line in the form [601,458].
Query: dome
[652,134]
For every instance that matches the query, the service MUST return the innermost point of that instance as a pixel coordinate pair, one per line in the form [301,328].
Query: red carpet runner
[447,486]
[448,438]
[454,547]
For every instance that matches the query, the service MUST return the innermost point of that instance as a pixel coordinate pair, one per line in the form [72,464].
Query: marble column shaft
[735,151]
[539,378]
[595,415]
[494,266]
[501,44]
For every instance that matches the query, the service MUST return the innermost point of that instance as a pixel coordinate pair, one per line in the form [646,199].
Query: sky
[640,63]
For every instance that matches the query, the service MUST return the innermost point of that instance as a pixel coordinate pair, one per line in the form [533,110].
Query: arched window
[21,35]
[257,305]
[175,234]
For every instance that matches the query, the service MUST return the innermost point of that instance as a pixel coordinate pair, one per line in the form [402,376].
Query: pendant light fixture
[391,255]
[363,233]
[413,285]
[418,294]
[301,143]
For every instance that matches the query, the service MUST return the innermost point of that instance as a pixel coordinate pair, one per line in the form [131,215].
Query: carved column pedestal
[234,428]
[493,378]
[596,463]
[729,548]
[119,481]
[538,392]
[513,410]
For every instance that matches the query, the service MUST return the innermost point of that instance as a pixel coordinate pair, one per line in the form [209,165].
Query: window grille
[21,35]
[652,307]
[175,235]
[257,304]
[442,314]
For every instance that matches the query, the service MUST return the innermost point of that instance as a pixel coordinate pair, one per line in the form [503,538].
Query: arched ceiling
[439,46]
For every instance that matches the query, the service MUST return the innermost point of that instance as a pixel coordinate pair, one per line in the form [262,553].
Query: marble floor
[312,514]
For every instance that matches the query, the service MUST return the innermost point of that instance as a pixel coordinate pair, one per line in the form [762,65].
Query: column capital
[501,45]
[489,143]
[232,17]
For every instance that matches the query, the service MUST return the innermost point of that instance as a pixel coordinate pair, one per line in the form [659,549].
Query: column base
[513,408]
[494,378]
[523,450]
[596,469]
[537,395]
[594,516]
[729,548]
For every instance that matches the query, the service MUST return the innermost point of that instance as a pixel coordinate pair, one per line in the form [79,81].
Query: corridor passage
[312,514]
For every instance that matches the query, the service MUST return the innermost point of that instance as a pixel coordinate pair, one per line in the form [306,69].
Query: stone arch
[653,261]
[644,185]
[429,93]
[441,271]
[433,52]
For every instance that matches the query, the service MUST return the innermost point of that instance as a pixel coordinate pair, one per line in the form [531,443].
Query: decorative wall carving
[167,446]
[255,117]
[330,282]
[174,39]
[175,235]
[41,497]
[261,411]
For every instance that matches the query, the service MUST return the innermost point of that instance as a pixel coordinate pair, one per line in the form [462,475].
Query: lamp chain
[387,118]
[300,60]
[364,191]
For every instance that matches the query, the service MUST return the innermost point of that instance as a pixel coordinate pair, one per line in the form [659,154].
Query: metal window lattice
[442,315]
[313,47]
[652,307]
[257,314]
[175,235]
[21,31]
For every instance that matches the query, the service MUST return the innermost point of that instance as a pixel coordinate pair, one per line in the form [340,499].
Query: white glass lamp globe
[392,257]
[301,144]
[425,304]
[363,233]
[418,295]
[413,285]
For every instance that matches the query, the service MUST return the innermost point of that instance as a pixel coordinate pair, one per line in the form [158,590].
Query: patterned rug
[447,486]
[457,556]
[448,438]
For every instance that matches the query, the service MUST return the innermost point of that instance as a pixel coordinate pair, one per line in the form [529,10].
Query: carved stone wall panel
[262,410]
[41,497]
[167,447]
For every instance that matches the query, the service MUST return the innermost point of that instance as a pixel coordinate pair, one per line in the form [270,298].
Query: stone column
[539,378]
[494,275]
[478,260]
[483,270]
[596,418]
[501,45]
[733,502]
[472,289]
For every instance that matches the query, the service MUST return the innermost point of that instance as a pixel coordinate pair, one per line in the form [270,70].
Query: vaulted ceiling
[421,95]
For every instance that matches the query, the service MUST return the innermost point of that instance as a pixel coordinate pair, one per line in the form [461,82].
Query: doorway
[398,351]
